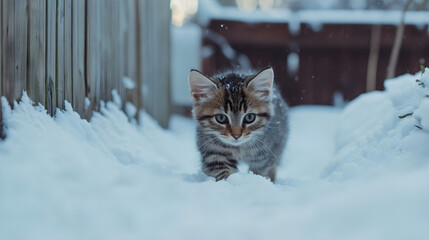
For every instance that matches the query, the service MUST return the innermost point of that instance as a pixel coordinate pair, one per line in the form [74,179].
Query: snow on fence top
[211,9]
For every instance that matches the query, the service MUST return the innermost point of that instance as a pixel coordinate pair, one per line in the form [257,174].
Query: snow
[355,173]
[128,82]
[211,10]
[130,110]
[373,130]
[423,112]
[87,103]
[292,63]
[311,128]
[116,98]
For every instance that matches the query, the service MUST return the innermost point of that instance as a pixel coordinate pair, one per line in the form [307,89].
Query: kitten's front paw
[222,175]
[219,170]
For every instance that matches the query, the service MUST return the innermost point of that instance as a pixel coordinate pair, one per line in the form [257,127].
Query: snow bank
[385,128]
[66,178]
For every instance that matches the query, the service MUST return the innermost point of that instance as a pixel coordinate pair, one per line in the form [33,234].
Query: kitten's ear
[262,84]
[200,85]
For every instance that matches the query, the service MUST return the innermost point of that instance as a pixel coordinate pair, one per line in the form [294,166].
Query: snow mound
[384,131]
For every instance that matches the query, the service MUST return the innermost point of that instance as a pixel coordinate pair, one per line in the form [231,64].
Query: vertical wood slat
[128,49]
[132,53]
[110,67]
[21,20]
[36,51]
[104,92]
[116,66]
[107,56]
[156,61]
[146,55]
[163,37]
[59,63]
[139,55]
[139,59]
[1,68]
[51,97]
[78,56]
[8,49]
[104,74]
[68,81]
[93,54]
[119,47]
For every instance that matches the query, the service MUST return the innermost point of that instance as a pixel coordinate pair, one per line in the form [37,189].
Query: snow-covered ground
[357,173]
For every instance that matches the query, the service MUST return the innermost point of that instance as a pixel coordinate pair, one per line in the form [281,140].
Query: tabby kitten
[240,118]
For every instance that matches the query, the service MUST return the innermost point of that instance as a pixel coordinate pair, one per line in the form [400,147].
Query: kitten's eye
[222,118]
[249,118]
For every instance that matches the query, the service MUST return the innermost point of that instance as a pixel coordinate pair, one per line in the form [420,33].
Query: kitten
[240,118]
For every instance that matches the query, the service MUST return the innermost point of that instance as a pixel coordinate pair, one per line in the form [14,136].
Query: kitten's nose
[236,136]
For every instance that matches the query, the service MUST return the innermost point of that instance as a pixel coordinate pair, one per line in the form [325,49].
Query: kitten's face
[232,107]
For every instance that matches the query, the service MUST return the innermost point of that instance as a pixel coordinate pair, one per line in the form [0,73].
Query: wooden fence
[71,50]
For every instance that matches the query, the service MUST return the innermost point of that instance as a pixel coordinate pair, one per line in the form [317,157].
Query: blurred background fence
[316,62]
[80,51]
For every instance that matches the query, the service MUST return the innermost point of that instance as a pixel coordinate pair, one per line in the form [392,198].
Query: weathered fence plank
[36,52]
[163,16]
[110,68]
[68,75]
[1,69]
[114,33]
[51,18]
[59,75]
[116,37]
[105,44]
[8,46]
[21,20]
[78,55]
[129,49]
[93,54]
[156,60]
[139,54]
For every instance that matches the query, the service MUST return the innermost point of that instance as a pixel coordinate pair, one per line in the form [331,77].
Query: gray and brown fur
[259,144]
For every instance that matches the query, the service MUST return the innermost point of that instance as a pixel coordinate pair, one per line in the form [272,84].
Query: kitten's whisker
[253,147]
[263,144]
[261,149]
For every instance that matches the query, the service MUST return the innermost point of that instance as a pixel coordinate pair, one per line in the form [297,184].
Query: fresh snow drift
[361,173]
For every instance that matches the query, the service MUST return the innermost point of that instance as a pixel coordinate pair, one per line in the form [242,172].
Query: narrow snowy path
[311,145]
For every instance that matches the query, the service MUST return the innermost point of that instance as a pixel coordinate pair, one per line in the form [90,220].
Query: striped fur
[260,143]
